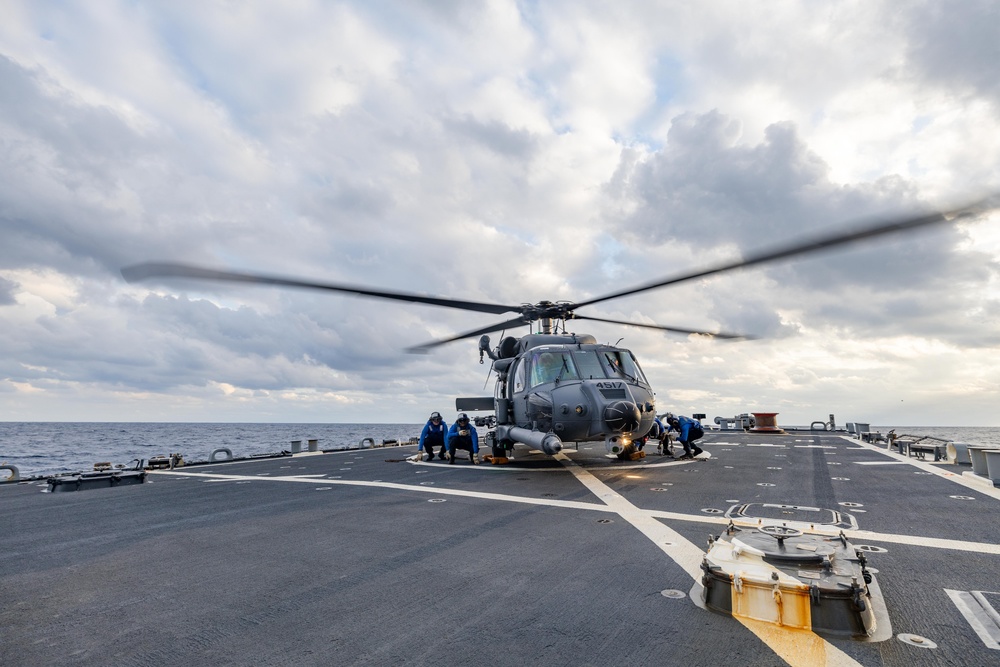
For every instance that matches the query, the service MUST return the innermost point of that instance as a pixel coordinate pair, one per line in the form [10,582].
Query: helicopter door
[517,384]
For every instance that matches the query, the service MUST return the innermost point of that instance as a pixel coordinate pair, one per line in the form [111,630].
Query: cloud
[502,152]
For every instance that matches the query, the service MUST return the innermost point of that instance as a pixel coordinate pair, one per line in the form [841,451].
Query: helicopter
[554,386]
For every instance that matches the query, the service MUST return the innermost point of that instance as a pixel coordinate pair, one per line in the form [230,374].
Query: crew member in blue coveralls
[462,435]
[655,432]
[432,436]
[688,431]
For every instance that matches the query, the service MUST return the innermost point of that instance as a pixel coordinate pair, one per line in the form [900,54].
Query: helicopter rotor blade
[714,334]
[147,270]
[427,347]
[816,244]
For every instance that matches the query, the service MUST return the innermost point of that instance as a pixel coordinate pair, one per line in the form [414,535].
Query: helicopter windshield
[552,365]
[621,363]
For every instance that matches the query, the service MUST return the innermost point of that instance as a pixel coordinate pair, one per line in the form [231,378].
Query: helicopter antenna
[619,340]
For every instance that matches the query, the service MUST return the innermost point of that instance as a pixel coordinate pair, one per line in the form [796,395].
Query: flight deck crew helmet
[435,415]
[462,417]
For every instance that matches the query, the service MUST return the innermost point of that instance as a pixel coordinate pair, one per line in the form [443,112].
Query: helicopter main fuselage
[570,387]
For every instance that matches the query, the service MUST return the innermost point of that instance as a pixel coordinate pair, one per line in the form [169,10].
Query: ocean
[42,448]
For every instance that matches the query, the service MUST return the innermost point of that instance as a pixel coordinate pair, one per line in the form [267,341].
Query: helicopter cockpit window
[519,375]
[589,365]
[549,366]
[621,363]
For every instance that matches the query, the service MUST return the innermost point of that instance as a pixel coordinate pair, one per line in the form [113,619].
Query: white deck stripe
[436,490]
[967,605]
[914,540]
[880,463]
[927,467]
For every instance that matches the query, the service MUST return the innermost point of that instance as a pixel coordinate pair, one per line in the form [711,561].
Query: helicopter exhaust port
[547,442]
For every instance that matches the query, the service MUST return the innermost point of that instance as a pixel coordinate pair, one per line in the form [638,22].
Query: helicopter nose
[622,416]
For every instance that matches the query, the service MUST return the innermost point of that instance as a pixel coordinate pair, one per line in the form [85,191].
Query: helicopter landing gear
[631,453]
[501,449]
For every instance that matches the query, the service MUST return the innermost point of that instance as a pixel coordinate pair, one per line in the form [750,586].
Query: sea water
[41,448]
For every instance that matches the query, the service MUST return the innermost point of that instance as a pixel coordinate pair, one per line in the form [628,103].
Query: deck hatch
[792,514]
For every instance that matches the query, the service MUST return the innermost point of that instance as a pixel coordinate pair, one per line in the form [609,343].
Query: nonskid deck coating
[358,557]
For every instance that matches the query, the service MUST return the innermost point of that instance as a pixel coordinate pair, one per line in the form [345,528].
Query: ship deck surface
[360,557]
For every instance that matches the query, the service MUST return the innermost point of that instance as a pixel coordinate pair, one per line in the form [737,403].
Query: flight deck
[367,557]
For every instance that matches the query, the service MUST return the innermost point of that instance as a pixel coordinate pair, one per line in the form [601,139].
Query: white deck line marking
[933,542]
[441,491]
[928,467]
[880,463]
[763,444]
[796,647]
[914,540]
[965,604]
[814,446]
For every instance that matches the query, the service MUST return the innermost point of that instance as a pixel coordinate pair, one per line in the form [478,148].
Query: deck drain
[657,488]
[323,488]
[604,521]
[774,467]
[548,495]
[426,483]
[841,479]
[916,640]
[850,504]
[833,463]
[920,472]
[962,497]
[764,484]
[871,549]
[728,467]
[333,477]
[711,510]
[673,594]
[436,500]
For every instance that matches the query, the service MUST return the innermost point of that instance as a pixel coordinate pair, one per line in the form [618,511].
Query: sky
[498,151]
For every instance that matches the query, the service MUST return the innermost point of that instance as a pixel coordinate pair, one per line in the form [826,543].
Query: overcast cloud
[501,151]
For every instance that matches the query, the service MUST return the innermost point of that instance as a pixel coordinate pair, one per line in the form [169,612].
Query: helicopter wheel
[502,448]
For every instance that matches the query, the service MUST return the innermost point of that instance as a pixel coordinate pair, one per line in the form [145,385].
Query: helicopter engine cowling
[547,442]
[622,416]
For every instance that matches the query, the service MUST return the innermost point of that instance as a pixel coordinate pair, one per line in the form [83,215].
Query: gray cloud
[467,153]
[7,290]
